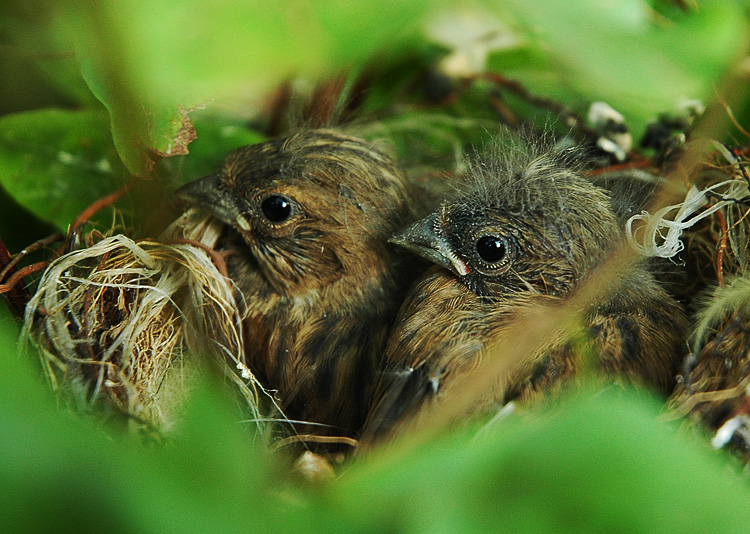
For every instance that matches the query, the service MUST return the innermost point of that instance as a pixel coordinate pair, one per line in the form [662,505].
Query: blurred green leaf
[60,473]
[621,53]
[172,58]
[55,163]
[217,135]
[593,464]
[42,53]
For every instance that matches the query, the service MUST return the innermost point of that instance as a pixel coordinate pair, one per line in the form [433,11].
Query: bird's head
[524,220]
[311,208]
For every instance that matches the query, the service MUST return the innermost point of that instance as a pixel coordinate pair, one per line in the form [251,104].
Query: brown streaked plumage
[526,229]
[714,385]
[309,218]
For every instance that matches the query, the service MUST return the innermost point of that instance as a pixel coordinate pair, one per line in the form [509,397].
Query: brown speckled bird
[714,385]
[526,228]
[308,221]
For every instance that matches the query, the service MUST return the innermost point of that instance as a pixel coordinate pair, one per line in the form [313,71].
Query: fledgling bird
[526,228]
[714,385]
[308,221]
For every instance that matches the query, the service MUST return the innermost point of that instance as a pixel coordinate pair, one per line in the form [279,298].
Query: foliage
[112,89]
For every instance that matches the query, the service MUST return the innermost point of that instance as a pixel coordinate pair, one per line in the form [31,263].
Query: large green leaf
[55,163]
[42,55]
[152,62]
[594,464]
[63,473]
[624,54]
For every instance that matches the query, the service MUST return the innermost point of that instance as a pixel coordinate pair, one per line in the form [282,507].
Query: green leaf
[171,58]
[38,52]
[217,135]
[620,52]
[598,463]
[56,163]
[62,473]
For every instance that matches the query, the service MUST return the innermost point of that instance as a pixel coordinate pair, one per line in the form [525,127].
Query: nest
[714,388]
[121,324]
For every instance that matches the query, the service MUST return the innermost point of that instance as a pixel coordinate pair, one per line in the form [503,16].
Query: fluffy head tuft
[525,219]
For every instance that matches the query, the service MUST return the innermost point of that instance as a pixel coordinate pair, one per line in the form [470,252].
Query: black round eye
[491,248]
[276,208]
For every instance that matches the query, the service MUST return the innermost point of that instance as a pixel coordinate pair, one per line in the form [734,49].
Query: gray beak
[208,194]
[424,239]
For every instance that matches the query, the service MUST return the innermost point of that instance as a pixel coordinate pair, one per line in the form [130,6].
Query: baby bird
[527,228]
[308,221]
[714,387]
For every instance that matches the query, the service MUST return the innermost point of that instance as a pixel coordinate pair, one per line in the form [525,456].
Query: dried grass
[715,385]
[121,324]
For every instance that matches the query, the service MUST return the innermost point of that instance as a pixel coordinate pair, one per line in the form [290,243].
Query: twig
[722,248]
[18,275]
[317,439]
[93,208]
[28,250]
[17,296]
[732,118]
[636,164]
[704,396]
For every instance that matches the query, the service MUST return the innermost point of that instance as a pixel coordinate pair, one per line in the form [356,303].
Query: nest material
[714,388]
[721,244]
[120,324]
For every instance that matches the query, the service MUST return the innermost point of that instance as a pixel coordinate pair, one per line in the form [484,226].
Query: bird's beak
[207,194]
[423,239]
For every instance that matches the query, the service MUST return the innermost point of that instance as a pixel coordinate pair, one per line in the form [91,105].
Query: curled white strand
[660,236]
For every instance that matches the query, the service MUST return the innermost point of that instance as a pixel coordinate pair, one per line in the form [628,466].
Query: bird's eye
[491,248]
[277,208]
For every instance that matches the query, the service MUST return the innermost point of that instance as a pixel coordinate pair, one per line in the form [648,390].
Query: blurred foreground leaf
[41,63]
[55,163]
[172,58]
[62,474]
[596,464]
[624,54]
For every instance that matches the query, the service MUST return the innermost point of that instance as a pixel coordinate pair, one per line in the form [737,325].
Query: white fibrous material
[660,236]
[111,322]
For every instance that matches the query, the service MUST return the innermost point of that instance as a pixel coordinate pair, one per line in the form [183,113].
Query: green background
[96,91]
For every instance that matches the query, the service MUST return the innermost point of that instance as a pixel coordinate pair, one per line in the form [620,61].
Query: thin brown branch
[732,118]
[94,207]
[343,440]
[18,275]
[28,250]
[641,163]
[722,248]
[17,295]
[100,204]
